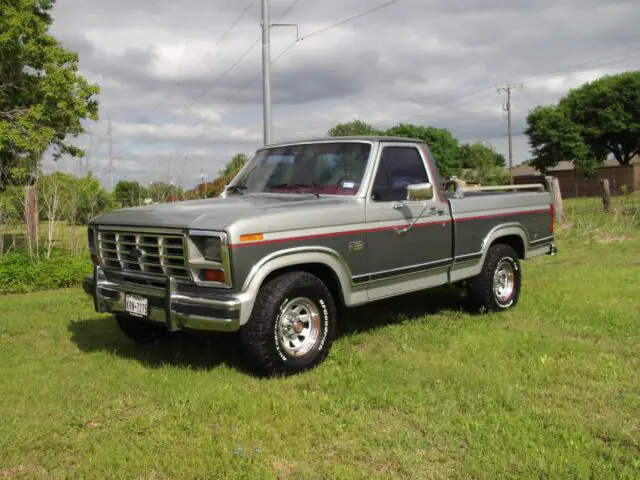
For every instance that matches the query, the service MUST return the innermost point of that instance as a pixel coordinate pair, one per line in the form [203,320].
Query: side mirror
[420,192]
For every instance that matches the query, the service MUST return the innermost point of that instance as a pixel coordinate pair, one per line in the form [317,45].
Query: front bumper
[170,306]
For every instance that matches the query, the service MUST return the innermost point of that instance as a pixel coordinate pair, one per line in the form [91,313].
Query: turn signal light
[252,237]
[214,275]
[95,259]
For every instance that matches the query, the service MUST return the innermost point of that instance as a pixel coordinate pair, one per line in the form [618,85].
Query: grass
[414,388]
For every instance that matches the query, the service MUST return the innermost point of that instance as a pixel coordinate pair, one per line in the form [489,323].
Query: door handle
[397,205]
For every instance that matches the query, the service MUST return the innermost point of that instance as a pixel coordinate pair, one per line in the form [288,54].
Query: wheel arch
[322,262]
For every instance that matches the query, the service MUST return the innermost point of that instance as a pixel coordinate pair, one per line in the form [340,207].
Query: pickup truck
[304,231]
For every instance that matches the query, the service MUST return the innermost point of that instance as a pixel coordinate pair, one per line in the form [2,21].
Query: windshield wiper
[299,186]
[237,188]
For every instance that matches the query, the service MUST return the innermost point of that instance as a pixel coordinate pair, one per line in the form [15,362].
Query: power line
[298,40]
[618,58]
[205,57]
[349,20]
[181,82]
[239,59]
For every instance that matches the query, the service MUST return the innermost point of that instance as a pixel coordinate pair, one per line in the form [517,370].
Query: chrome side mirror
[420,192]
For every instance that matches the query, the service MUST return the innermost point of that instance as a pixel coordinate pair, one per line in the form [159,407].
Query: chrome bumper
[167,306]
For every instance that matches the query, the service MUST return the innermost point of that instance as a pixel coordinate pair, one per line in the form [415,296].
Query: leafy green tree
[598,119]
[444,147]
[42,97]
[483,164]
[473,154]
[554,137]
[234,166]
[353,129]
[161,192]
[129,193]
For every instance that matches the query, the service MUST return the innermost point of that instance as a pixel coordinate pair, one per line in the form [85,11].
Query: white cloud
[422,61]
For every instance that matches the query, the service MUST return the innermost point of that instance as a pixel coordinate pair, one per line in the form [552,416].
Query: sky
[181,82]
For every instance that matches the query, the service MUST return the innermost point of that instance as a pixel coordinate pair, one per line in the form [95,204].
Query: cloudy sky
[183,88]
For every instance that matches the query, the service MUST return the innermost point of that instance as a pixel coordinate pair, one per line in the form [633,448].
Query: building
[574,184]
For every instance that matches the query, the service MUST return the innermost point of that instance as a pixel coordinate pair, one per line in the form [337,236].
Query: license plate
[135,305]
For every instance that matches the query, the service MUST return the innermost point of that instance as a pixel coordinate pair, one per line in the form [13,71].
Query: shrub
[19,274]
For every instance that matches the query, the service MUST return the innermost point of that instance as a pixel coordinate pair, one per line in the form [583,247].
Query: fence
[61,236]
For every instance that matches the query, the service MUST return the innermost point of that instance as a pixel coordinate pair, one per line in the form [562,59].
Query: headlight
[212,249]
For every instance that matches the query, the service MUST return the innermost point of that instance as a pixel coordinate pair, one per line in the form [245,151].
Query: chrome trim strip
[124,228]
[402,271]
[542,240]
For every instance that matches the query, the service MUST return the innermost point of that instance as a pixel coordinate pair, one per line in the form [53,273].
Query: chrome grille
[145,253]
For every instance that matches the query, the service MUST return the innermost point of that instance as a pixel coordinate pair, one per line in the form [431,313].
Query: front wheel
[497,287]
[292,326]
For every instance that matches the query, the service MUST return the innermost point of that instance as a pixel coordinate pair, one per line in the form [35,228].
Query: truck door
[403,262]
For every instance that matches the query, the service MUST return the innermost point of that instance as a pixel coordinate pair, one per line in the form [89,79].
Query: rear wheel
[497,287]
[139,331]
[292,326]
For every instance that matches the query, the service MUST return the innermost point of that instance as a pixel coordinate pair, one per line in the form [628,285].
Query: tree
[473,154]
[42,97]
[553,137]
[234,166]
[484,165]
[353,129]
[129,193]
[161,192]
[598,119]
[608,113]
[444,147]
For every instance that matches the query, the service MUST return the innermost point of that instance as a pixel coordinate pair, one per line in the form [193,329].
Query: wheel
[139,331]
[292,326]
[497,287]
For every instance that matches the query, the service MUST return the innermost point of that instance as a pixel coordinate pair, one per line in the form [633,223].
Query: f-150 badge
[356,246]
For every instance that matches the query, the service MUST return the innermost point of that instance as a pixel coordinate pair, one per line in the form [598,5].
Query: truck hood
[210,214]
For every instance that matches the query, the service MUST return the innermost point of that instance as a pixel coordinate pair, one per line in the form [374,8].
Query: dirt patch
[282,468]
[11,472]
[607,238]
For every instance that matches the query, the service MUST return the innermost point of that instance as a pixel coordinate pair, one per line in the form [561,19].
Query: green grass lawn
[414,388]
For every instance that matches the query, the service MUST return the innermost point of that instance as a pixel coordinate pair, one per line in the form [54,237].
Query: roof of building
[565,165]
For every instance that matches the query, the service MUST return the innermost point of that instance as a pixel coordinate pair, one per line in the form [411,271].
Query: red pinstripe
[380,229]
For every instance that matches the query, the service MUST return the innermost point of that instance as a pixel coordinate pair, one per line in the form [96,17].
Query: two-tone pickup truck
[303,231]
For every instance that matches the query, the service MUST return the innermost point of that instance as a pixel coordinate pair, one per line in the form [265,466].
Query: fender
[461,272]
[298,256]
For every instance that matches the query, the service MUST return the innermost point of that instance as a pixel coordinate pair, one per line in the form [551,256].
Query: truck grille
[146,253]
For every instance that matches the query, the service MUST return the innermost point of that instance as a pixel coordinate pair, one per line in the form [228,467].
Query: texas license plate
[136,305]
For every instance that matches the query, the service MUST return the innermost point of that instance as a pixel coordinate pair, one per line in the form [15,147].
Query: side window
[399,167]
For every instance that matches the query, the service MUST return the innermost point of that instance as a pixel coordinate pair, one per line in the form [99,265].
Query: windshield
[321,168]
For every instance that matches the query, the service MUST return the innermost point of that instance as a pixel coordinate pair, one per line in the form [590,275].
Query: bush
[20,274]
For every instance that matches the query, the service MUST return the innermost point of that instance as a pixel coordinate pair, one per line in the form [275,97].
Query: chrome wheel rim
[299,326]
[504,280]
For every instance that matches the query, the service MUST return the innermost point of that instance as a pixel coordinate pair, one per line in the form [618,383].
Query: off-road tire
[140,331]
[262,350]
[481,294]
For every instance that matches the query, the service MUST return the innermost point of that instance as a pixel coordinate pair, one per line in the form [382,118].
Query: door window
[399,167]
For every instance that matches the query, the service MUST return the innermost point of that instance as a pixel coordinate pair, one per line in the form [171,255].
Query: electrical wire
[608,61]
[349,20]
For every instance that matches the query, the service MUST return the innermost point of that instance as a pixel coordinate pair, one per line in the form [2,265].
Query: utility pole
[110,156]
[507,108]
[266,71]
